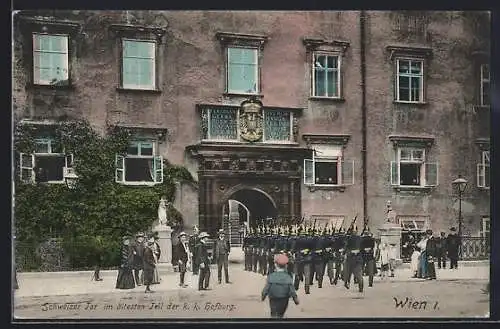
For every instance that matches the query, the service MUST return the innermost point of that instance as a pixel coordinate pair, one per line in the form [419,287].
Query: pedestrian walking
[149,264]
[125,279]
[453,243]
[193,242]
[441,251]
[222,250]
[138,263]
[422,245]
[183,255]
[156,255]
[279,288]
[203,261]
[384,260]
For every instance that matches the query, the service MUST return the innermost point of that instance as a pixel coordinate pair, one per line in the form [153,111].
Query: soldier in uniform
[368,253]
[262,252]
[320,256]
[247,249]
[329,255]
[339,255]
[290,243]
[255,250]
[304,248]
[354,260]
[270,250]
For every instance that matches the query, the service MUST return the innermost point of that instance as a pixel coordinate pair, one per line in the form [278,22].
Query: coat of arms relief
[251,120]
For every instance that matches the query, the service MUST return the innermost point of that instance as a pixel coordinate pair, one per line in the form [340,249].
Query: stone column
[390,233]
[165,242]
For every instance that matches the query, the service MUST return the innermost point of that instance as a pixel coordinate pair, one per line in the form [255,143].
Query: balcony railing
[475,248]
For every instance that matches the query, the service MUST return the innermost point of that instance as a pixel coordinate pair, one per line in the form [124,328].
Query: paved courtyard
[457,293]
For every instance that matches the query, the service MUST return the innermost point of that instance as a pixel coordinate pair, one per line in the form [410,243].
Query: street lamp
[460,184]
[70,177]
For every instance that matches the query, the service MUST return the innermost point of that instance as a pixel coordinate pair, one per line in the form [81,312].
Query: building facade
[321,116]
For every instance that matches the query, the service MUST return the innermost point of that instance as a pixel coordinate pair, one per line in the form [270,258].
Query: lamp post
[460,184]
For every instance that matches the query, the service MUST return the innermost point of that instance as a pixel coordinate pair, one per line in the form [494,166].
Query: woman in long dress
[415,256]
[422,245]
[125,279]
[156,255]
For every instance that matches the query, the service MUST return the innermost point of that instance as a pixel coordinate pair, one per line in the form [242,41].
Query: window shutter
[347,167]
[120,168]
[26,166]
[69,160]
[431,174]
[394,173]
[158,166]
[480,175]
[308,172]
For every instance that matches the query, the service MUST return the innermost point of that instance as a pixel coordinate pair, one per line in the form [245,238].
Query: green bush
[92,217]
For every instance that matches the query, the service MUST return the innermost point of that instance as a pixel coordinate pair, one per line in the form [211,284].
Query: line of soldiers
[311,251]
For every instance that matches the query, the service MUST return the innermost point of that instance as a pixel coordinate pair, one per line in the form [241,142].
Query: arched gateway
[265,179]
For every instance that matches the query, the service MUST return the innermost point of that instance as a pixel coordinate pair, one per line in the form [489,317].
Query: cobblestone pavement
[454,295]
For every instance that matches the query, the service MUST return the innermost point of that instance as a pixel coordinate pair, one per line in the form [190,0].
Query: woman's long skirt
[414,262]
[423,265]
[156,276]
[148,276]
[125,279]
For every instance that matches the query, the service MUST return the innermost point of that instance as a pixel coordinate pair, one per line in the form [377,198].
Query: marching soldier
[290,243]
[304,246]
[368,253]
[339,255]
[320,256]
[329,255]
[262,252]
[354,260]
[270,251]
[255,250]
[247,249]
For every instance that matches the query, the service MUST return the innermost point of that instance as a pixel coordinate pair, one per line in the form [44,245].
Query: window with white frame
[47,164]
[411,168]
[483,170]
[327,167]
[140,165]
[410,80]
[485,85]
[139,64]
[326,75]
[242,70]
[485,227]
[50,59]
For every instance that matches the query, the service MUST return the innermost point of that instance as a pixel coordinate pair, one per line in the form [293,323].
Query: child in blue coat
[279,287]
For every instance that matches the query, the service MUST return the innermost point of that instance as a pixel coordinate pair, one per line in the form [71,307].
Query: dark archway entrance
[244,209]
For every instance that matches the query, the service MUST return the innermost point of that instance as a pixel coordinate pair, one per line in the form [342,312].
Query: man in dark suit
[203,261]
[149,263]
[193,242]
[453,245]
[221,254]
[183,257]
[138,251]
[441,251]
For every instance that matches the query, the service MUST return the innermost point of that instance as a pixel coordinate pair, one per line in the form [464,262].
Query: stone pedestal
[165,242]
[390,233]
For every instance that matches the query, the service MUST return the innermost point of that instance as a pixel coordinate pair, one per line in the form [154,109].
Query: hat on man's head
[221,231]
[453,229]
[125,237]
[281,259]
[182,234]
[428,231]
[139,235]
[203,235]
[151,239]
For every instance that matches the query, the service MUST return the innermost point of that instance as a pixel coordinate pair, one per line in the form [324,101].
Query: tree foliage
[92,217]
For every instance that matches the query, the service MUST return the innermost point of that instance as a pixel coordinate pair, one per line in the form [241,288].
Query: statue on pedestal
[391,216]
[162,212]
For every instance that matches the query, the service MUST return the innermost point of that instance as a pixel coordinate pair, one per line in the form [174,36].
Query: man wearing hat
[193,242]
[441,251]
[149,263]
[453,245]
[138,251]
[183,257]
[203,261]
[221,253]
[279,287]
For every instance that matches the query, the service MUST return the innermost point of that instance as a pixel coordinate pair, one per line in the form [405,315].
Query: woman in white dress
[415,258]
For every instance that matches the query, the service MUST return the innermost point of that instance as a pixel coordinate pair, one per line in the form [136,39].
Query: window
[222,124]
[140,165]
[485,227]
[485,85]
[411,168]
[242,70]
[47,164]
[328,168]
[139,64]
[410,81]
[483,170]
[326,75]
[50,59]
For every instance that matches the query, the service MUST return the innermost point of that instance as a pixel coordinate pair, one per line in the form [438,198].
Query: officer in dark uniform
[263,253]
[270,250]
[255,250]
[339,239]
[368,253]
[320,255]
[354,260]
[298,268]
[305,248]
[246,250]
[290,243]
[329,255]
